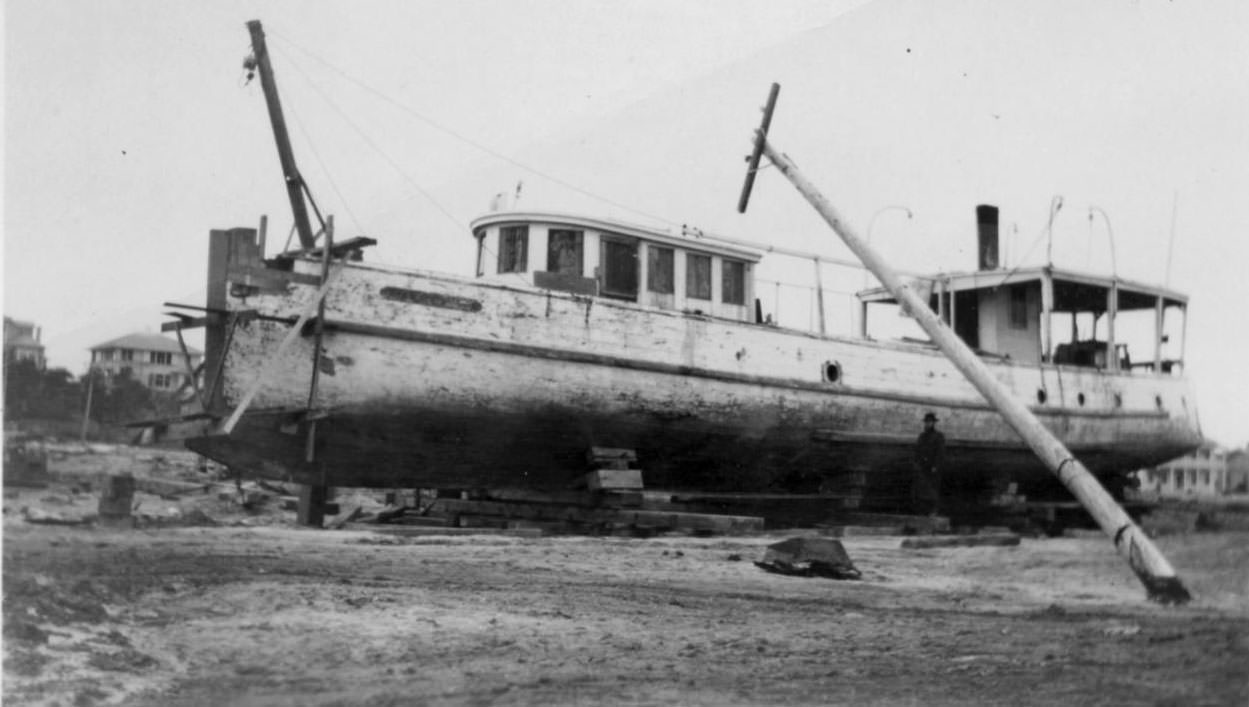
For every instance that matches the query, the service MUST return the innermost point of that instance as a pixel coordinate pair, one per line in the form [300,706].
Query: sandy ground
[253,611]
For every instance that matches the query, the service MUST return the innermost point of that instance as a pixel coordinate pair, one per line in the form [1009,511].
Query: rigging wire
[325,170]
[459,223]
[473,143]
[1036,242]
[481,147]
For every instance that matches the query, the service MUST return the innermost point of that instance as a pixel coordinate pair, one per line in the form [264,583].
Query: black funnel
[986,228]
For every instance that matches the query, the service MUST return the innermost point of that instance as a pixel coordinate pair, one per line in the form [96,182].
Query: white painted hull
[439,381]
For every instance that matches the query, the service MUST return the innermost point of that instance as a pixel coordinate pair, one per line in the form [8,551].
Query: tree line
[31,393]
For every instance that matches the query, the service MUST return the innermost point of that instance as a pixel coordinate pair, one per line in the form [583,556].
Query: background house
[1238,470]
[151,359]
[1201,474]
[21,343]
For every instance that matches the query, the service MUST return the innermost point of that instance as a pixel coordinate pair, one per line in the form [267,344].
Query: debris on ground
[809,557]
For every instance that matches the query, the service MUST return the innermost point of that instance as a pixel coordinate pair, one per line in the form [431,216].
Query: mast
[294,183]
[1149,564]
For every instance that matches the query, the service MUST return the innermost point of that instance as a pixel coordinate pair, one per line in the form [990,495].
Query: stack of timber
[610,498]
[647,512]
[851,524]
[612,469]
[598,511]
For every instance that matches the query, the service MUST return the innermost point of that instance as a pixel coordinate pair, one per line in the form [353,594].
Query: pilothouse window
[513,249]
[564,251]
[480,235]
[659,270]
[620,268]
[698,276]
[733,282]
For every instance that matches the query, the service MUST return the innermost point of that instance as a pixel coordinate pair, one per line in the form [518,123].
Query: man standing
[929,454]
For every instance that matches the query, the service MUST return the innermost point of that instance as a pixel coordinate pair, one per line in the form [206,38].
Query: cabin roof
[1072,289]
[699,244]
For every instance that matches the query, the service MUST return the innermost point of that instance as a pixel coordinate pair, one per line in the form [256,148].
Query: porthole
[1041,396]
[1118,400]
[832,372]
[1080,399]
[1158,401]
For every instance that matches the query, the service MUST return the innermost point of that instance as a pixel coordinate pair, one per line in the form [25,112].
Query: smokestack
[986,228]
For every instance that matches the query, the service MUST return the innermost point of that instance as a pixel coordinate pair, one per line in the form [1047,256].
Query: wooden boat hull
[429,380]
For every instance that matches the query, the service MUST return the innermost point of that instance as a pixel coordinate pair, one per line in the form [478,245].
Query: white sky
[129,133]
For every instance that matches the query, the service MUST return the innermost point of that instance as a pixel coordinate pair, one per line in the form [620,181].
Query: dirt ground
[253,611]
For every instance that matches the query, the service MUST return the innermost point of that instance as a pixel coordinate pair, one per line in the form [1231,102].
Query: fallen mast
[1149,564]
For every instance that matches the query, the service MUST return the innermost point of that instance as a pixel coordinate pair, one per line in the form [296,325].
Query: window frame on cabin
[555,262]
[1018,305]
[693,263]
[480,235]
[513,249]
[661,270]
[606,286]
[730,271]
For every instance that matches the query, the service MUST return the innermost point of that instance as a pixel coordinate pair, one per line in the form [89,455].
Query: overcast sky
[131,130]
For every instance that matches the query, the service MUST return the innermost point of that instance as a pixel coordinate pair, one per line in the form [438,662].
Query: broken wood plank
[598,454]
[921,524]
[592,516]
[422,531]
[329,508]
[565,498]
[169,488]
[995,539]
[853,531]
[41,517]
[611,457]
[353,515]
[603,479]
[605,498]
[704,497]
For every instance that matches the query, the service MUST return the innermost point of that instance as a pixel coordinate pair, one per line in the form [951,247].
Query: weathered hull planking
[429,380]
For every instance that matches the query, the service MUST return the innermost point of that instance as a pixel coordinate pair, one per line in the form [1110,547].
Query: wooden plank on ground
[995,539]
[858,531]
[597,454]
[169,487]
[565,498]
[590,516]
[414,531]
[606,498]
[603,479]
[920,524]
[354,514]
[702,497]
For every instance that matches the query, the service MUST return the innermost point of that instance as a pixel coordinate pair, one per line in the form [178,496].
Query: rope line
[329,177]
[473,143]
[459,223]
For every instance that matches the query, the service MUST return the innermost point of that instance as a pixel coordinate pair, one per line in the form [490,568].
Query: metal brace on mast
[1149,564]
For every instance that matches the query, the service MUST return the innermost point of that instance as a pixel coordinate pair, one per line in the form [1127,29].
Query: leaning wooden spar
[1149,564]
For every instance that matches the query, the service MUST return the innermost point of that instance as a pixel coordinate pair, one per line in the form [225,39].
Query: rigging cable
[329,177]
[459,224]
[1020,264]
[473,143]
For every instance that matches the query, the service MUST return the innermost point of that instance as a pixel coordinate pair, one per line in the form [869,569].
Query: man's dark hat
[930,416]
